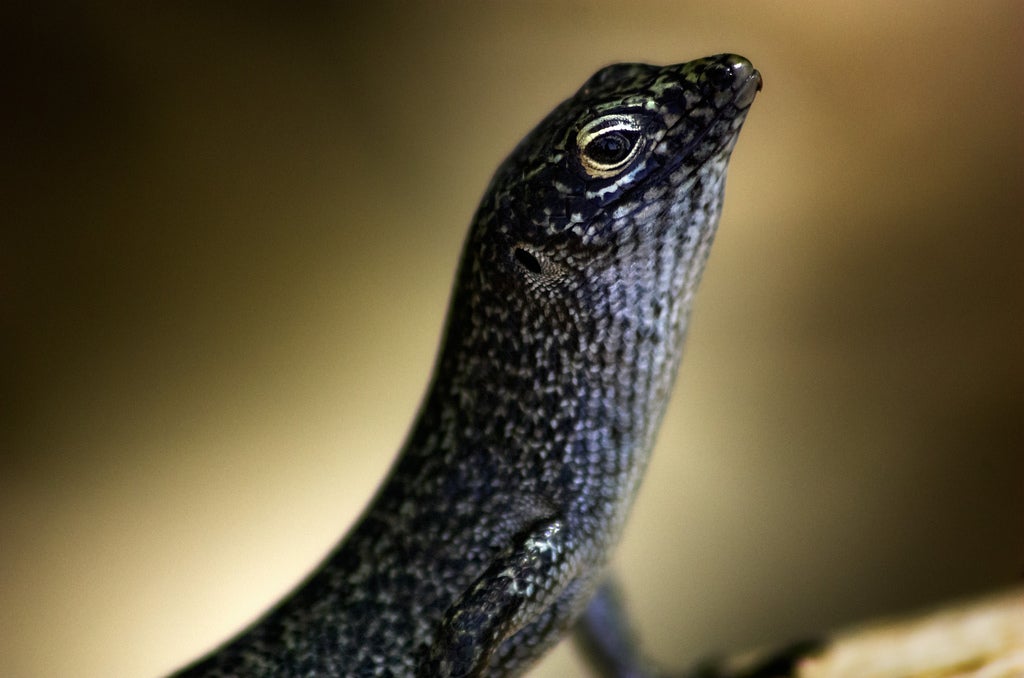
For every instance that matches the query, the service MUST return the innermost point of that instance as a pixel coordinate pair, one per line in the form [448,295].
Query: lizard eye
[608,144]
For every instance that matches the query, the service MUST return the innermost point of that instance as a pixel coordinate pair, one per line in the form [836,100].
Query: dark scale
[493,529]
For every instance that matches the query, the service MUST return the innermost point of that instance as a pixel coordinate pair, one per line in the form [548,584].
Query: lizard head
[637,151]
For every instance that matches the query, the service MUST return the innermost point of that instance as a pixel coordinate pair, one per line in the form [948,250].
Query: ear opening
[527,259]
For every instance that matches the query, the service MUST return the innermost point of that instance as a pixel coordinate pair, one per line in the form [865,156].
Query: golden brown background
[229,235]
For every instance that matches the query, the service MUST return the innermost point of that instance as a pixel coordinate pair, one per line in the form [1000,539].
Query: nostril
[720,76]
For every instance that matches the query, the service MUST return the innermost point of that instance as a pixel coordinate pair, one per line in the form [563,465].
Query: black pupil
[610,149]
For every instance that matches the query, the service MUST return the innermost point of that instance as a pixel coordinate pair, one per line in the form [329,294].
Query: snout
[730,77]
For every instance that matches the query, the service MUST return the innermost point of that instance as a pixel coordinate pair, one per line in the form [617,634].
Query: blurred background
[229,232]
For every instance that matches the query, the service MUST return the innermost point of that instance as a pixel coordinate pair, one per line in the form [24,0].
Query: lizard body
[493,528]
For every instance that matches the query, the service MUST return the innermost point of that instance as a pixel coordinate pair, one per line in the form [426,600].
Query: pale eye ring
[608,144]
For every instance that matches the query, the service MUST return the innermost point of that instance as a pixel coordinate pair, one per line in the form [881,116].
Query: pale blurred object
[982,638]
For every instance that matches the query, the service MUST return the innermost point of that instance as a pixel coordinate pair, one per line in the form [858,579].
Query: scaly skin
[494,527]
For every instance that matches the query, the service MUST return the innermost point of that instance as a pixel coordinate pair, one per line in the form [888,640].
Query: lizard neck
[557,395]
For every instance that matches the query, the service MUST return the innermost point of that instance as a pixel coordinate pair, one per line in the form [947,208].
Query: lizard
[492,531]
